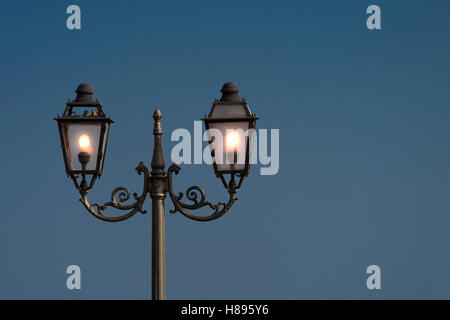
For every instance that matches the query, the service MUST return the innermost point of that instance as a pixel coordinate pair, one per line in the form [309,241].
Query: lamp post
[84,138]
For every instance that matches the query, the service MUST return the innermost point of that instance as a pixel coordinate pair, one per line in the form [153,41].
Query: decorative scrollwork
[124,195]
[196,195]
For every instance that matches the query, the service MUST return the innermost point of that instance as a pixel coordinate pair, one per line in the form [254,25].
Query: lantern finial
[230,92]
[85,94]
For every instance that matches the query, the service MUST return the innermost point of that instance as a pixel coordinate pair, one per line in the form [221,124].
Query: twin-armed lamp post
[84,138]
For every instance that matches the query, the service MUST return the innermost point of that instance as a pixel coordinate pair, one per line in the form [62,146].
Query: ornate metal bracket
[157,184]
[196,195]
[124,195]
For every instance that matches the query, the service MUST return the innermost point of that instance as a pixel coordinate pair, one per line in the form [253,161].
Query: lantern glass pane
[229,111]
[81,137]
[105,140]
[229,145]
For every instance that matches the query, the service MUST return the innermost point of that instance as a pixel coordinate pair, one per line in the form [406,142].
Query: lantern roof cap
[230,107]
[230,92]
[85,94]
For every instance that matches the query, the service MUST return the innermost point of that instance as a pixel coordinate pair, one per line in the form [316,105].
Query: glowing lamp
[232,140]
[230,125]
[85,143]
[84,130]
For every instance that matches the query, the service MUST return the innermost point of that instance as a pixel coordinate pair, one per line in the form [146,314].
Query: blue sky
[364,147]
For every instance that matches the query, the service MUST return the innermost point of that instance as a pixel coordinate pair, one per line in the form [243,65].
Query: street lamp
[230,118]
[84,138]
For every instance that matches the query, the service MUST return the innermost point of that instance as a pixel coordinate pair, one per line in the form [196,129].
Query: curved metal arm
[193,193]
[124,195]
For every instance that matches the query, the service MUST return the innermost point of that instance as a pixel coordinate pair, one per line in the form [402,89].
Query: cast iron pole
[158,193]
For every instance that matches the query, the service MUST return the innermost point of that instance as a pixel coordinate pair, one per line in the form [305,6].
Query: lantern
[230,127]
[84,130]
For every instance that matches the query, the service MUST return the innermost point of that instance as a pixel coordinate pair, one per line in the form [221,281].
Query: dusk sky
[364,147]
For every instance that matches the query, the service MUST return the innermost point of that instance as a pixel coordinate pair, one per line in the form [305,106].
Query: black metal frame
[100,154]
[250,118]
[84,100]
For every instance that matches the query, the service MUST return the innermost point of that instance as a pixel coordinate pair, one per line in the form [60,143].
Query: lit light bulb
[232,140]
[84,143]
